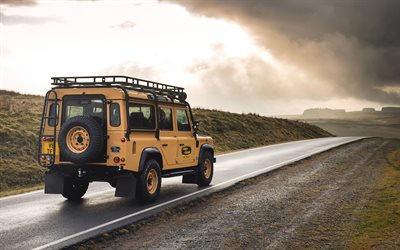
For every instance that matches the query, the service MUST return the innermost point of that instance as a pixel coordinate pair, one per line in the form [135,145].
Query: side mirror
[195,126]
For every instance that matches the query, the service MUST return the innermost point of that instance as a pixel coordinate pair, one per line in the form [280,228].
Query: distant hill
[20,118]
[368,122]
[391,110]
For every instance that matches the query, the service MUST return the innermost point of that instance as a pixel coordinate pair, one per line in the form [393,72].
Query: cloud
[126,25]
[130,68]
[18,2]
[339,49]
[18,19]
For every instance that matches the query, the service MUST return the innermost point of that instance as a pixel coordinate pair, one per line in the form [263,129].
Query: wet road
[36,220]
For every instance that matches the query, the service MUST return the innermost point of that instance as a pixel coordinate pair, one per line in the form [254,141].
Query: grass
[19,125]
[233,131]
[20,119]
[379,226]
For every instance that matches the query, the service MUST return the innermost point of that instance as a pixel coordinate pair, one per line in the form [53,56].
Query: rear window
[83,107]
[141,116]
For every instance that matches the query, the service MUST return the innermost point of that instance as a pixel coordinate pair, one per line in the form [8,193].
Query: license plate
[48,147]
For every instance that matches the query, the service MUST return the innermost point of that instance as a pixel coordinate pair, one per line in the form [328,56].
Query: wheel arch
[206,148]
[150,153]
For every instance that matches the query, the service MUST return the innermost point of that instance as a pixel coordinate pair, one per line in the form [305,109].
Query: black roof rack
[126,82]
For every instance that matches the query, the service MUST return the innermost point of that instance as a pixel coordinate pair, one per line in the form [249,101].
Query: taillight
[45,158]
[116,159]
[123,139]
[122,159]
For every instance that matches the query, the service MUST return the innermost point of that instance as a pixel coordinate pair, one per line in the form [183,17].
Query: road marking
[20,195]
[221,155]
[234,180]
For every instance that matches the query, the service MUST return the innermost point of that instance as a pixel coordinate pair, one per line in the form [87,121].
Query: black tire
[95,134]
[204,178]
[74,189]
[142,191]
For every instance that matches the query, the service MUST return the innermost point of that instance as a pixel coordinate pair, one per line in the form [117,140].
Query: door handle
[164,145]
[181,144]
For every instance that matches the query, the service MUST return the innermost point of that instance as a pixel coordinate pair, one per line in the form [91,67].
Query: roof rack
[126,82]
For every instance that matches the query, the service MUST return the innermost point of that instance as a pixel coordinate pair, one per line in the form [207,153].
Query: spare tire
[81,139]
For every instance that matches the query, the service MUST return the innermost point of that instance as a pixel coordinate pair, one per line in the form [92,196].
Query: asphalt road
[36,220]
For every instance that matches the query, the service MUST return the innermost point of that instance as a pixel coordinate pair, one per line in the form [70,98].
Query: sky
[267,57]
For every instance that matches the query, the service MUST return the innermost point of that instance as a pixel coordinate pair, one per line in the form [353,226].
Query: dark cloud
[17,2]
[347,48]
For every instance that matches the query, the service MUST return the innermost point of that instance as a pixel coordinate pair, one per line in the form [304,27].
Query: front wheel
[149,182]
[205,169]
[74,189]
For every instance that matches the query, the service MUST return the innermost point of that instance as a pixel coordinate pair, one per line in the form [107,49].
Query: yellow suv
[126,131]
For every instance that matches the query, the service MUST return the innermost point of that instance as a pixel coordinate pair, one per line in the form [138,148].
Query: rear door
[93,106]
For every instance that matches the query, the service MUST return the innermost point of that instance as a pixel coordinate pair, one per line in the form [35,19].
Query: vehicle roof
[120,87]
[114,93]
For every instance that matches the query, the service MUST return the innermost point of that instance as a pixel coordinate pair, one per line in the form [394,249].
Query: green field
[20,119]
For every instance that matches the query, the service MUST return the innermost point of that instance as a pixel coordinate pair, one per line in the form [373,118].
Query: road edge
[153,210]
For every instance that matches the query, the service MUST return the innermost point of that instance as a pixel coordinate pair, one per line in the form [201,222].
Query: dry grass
[19,125]
[379,226]
[233,131]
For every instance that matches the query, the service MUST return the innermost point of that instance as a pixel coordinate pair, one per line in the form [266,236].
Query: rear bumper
[88,172]
[57,179]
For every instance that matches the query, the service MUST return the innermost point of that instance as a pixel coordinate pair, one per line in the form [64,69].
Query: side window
[53,114]
[141,116]
[115,117]
[165,119]
[182,119]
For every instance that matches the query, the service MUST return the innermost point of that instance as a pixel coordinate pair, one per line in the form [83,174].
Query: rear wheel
[74,189]
[149,182]
[206,170]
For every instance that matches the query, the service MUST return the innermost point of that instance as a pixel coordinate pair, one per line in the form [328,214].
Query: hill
[233,131]
[20,119]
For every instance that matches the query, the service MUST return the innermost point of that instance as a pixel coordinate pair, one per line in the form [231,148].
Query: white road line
[20,195]
[269,146]
[226,154]
[266,169]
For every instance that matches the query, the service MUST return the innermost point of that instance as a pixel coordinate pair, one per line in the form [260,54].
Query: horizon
[273,115]
[242,58]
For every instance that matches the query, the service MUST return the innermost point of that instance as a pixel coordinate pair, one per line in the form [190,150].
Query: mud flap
[126,186]
[189,178]
[54,183]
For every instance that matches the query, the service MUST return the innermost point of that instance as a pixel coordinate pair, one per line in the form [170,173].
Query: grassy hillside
[19,124]
[233,131]
[20,118]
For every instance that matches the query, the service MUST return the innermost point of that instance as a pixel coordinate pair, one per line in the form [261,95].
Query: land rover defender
[126,131]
